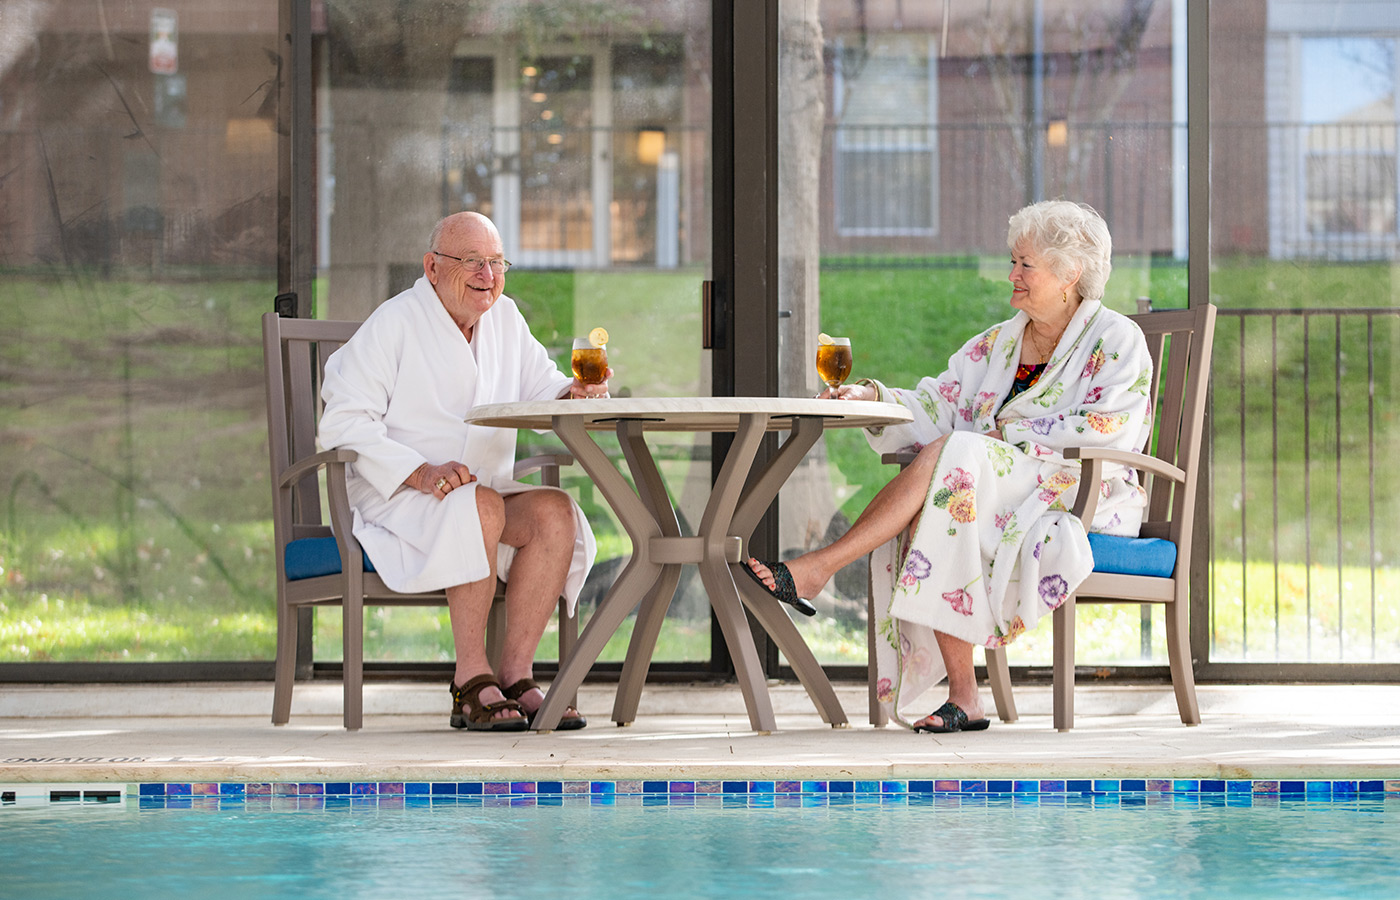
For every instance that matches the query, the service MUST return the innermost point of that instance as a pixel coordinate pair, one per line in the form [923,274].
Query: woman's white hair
[1071,238]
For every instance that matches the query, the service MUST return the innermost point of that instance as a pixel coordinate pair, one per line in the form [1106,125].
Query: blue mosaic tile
[304,795]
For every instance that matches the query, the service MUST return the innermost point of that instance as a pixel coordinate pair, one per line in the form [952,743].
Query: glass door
[905,144]
[587,144]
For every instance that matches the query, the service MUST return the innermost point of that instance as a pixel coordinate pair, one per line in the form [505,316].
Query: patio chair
[323,565]
[1155,566]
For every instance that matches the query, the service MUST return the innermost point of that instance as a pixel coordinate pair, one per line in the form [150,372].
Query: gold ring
[442,485]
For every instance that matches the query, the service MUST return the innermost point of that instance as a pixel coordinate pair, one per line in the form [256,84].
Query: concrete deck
[222,732]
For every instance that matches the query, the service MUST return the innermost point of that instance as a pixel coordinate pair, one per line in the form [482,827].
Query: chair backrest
[294,363]
[1179,342]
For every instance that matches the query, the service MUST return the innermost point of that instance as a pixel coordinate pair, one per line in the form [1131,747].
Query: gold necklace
[1041,354]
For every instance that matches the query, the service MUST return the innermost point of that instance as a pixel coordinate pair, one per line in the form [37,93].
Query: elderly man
[435,506]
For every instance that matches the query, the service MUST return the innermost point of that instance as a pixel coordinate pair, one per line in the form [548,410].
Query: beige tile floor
[222,732]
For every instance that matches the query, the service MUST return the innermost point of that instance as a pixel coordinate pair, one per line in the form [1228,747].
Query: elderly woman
[973,542]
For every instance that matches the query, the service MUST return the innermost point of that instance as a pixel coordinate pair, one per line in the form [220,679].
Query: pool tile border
[1320,788]
[332,792]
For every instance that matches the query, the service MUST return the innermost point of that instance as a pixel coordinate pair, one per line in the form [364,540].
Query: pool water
[755,846]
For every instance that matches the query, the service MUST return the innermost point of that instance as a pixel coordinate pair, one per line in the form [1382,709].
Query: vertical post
[296,155]
[296,209]
[745,307]
[1198,292]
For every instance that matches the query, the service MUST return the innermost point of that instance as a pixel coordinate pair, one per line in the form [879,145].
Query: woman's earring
[1064,295]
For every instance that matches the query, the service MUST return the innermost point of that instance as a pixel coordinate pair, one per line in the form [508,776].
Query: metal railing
[1306,503]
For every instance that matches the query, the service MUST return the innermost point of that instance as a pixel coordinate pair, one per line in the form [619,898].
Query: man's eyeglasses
[498,264]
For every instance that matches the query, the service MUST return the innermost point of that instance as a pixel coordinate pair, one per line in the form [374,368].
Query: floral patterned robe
[996,547]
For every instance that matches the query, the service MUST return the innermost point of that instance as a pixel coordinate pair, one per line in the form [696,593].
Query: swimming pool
[1134,838]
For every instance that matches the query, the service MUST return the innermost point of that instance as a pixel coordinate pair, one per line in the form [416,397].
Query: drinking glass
[590,359]
[833,360]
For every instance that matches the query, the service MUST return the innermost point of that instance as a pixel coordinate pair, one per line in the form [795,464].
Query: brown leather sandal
[470,713]
[524,686]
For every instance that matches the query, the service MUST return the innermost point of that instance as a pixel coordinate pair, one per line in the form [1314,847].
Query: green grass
[133,467]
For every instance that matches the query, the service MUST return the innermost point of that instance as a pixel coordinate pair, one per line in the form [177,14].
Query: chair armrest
[299,469]
[547,464]
[900,458]
[1140,461]
[1092,460]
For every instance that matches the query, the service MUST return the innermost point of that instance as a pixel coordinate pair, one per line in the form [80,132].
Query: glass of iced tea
[833,360]
[590,358]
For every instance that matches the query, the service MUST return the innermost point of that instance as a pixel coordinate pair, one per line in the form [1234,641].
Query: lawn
[133,458]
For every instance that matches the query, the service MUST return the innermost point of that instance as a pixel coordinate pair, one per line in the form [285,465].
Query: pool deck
[222,733]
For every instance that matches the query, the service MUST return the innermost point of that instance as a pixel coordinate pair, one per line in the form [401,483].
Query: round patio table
[735,506]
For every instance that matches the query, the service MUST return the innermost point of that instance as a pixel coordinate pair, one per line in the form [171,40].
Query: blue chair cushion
[1133,556]
[313,557]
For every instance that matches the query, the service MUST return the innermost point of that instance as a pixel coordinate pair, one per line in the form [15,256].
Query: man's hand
[580,391]
[440,480]
[850,392]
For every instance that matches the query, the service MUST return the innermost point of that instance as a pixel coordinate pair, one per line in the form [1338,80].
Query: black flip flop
[786,592]
[954,719]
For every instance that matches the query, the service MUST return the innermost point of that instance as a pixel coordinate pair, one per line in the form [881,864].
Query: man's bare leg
[468,605]
[541,526]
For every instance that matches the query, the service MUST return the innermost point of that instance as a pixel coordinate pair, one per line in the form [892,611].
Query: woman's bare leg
[962,679]
[894,509]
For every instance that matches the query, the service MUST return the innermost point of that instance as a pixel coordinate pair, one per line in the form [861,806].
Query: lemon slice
[598,337]
[824,338]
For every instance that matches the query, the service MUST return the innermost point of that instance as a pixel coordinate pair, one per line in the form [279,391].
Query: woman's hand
[850,392]
[580,391]
[440,480]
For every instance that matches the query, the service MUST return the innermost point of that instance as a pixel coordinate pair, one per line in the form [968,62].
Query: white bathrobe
[397,393]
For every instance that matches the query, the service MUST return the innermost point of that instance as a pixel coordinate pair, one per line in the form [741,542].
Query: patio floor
[222,732]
